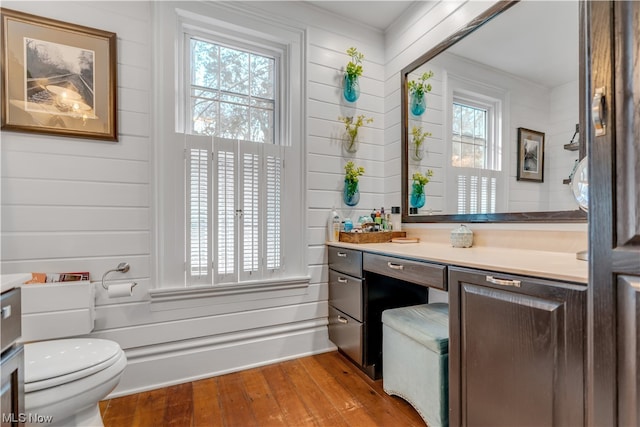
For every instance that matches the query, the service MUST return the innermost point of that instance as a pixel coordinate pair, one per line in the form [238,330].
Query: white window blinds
[198,163]
[477,191]
[242,233]
[273,165]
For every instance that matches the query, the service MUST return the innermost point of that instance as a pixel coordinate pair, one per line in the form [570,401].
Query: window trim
[483,95]
[168,192]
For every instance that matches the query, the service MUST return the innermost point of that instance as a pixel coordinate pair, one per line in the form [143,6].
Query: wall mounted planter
[351,88]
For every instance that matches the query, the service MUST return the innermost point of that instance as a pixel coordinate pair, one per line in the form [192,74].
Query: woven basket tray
[372,237]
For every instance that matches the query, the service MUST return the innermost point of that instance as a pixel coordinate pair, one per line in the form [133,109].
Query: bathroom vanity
[517,329]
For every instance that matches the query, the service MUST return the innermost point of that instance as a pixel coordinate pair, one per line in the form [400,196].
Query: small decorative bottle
[396,219]
[333,226]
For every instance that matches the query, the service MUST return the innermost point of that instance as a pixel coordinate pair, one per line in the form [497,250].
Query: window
[469,140]
[232,92]
[229,118]
[234,164]
[475,153]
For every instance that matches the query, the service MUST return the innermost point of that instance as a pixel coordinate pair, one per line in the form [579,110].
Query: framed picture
[57,78]
[530,155]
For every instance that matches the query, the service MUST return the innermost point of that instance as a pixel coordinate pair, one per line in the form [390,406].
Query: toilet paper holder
[123,267]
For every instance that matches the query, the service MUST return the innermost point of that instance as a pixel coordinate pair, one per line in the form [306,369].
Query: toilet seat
[53,363]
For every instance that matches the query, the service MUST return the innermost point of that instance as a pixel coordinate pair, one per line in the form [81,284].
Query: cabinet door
[515,351]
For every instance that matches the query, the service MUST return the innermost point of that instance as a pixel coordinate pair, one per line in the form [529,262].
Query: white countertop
[544,264]
[10,281]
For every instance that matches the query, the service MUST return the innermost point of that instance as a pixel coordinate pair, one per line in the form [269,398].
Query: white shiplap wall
[559,162]
[82,205]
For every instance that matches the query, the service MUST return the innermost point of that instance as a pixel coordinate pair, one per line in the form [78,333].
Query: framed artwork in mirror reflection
[530,155]
[57,78]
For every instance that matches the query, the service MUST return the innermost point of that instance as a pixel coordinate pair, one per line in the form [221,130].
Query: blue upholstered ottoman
[415,358]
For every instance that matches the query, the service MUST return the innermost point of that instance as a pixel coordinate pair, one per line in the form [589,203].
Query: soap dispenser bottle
[333,226]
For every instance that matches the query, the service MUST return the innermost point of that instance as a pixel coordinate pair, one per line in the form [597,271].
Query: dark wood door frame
[613,309]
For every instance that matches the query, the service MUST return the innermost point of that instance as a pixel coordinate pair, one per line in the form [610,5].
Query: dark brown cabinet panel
[418,272]
[613,63]
[628,294]
[515,350]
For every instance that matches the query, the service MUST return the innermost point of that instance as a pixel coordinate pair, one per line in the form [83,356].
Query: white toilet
[65,378]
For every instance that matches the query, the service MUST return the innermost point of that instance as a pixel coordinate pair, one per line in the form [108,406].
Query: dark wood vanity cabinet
[516,350]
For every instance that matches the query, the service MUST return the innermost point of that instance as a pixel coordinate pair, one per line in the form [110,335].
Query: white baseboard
[168,364]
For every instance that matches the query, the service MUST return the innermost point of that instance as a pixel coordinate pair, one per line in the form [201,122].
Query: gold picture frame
[58,78]
[530,155]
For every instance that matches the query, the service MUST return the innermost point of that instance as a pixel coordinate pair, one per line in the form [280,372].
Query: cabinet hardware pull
[503,282]
[6,311]
[598,111]
[342,254]
[342,319]
[342,280]
[395,266]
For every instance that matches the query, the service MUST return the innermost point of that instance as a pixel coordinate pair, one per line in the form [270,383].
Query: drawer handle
[342,254]
[395,266]
[342,280]
[6,312]
[342,319]
[503,282]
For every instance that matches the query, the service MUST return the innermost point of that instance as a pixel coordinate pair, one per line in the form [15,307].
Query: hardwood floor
[320,390]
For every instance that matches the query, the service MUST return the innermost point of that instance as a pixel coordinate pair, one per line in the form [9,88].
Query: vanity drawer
[421,273]
[11,323]
[346,333]
[347,261]
[345,294]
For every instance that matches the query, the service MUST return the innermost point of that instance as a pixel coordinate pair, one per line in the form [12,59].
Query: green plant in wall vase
[417,91]
[418,197]
[351,193]
[416,151]
[352,125]
[351,84]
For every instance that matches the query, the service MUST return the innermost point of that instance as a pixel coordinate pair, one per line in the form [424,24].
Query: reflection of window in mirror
[475,176]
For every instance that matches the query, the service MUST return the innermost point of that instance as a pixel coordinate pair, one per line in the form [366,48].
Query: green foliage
[351,177]
[420,87]
[422,180]
[352,172]
[351,126]
[354,67]
[419,136]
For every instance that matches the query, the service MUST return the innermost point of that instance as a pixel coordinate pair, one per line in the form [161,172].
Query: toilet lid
[51,363]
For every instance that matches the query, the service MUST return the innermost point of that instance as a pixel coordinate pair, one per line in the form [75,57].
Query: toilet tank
[57,310]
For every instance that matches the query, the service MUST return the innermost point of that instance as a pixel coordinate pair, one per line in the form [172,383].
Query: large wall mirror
[498,133]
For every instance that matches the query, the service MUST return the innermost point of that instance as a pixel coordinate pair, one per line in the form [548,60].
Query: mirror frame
[549,216]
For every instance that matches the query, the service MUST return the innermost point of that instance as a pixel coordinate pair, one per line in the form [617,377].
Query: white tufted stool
[415,358]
